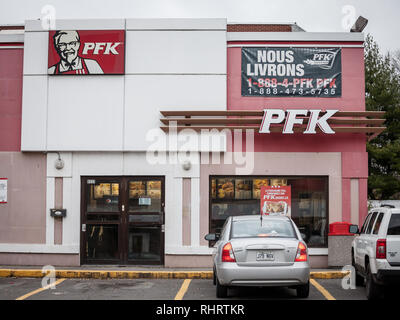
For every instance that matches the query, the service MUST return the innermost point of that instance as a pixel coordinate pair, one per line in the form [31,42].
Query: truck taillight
[381,249]
[227,253]
[301,254]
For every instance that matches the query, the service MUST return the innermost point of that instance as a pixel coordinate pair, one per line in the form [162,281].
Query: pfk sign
[293,117]
[86,52]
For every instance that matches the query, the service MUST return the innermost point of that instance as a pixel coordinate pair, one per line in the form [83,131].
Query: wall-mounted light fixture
[59,163]
[359,25]
[186,165]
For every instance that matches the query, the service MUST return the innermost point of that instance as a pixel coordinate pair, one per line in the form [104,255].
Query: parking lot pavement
[205,290]
[111,289]
[334,287]
[163,289]
[12,288]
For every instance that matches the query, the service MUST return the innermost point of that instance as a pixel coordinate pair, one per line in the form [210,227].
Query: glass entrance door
[101,220]
[145,220]
[122,220]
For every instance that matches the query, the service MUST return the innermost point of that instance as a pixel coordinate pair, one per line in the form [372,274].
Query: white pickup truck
[376,251]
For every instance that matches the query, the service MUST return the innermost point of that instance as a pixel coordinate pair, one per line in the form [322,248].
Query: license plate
[265,256]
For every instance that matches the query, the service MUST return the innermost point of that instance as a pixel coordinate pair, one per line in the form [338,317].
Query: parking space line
[183,289]
[321,289]
[40,290]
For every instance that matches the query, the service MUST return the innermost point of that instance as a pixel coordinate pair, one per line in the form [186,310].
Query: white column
[195,213]
[50,205]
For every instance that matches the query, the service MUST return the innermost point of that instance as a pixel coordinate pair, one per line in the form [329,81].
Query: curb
[328,274]
[100,274]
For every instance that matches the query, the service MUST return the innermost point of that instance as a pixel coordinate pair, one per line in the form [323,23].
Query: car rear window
[262,228]
[371,223]
[394,225]
[378,223]
[365,224]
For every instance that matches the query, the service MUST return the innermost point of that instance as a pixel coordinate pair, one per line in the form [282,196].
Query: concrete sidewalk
[136,272]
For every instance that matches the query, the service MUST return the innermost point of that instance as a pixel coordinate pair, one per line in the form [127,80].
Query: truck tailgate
[393,240]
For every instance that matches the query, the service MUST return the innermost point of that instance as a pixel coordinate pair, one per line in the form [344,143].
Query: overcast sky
[311,15]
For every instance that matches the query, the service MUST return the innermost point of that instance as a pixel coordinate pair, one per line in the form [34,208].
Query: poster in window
[136,189]
[115,189]
[242,189]
[144,201]
[3,190]
[257,184]
[101,190]
[278,182]
[275,200]
[154,189]
[225,188]
[213,189]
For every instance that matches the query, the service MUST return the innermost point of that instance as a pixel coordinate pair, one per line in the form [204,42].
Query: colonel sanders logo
[67,44]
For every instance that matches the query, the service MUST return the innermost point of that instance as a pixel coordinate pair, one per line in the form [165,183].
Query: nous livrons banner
[287,72]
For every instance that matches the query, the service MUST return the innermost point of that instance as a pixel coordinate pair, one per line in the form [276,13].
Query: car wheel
[372,289]
[303,291]
[222,291]
[359,278]
[214,277]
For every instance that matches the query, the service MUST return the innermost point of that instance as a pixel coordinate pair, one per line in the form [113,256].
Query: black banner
[291,72]
[232,309]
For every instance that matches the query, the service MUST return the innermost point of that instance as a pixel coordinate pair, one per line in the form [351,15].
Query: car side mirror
[353,229]
[212,237]
[303,236]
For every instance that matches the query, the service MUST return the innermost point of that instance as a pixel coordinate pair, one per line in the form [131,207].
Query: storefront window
[103,197]
[241,196]
[144,196]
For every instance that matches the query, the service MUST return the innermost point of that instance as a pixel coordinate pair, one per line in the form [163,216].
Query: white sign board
[144,201]
[3,190]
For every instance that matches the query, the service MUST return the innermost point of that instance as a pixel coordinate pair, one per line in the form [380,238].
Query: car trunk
[393,249]
[393,240]
[264,251]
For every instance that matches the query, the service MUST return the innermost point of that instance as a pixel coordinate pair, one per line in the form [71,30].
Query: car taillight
[301,254]
[227,253]
[381,249]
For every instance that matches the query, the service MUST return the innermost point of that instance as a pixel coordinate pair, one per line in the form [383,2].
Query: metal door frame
[122,222]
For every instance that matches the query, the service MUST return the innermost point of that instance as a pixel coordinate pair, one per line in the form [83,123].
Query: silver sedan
[260,251]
